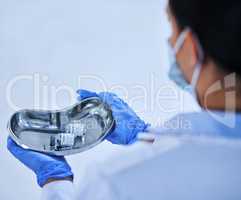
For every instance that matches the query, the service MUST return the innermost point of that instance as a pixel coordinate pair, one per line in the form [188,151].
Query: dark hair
[217,24]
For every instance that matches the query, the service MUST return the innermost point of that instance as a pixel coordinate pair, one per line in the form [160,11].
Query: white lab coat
[175,167]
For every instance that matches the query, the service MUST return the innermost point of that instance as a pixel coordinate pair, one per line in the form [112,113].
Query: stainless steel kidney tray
[64,132]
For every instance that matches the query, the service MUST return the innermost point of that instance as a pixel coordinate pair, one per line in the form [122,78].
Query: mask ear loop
[197,70]
[198,67]
[180,41]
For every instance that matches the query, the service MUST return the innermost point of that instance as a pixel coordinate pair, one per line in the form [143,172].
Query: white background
[122,42]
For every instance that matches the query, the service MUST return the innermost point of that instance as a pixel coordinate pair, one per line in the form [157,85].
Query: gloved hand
[127,123]
[44,166]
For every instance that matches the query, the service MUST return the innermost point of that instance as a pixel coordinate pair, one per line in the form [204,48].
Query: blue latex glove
[127,123]
[44,166]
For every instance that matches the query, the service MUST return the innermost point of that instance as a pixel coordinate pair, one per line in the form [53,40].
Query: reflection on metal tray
[62,132]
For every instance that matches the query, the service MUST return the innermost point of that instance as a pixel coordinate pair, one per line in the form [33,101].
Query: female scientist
[205,51]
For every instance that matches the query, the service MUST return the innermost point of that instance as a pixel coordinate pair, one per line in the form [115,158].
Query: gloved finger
[17,150]
[116,104]
[84,94]
[14,148]
[111,99]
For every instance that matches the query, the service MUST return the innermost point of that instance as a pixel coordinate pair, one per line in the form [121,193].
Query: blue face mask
[175,72]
